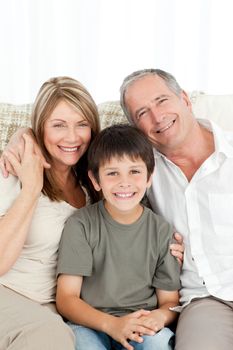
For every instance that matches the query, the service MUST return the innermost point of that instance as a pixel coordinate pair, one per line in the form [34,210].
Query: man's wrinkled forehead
[144,91]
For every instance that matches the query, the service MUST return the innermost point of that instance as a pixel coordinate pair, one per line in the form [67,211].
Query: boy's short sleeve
[75,254]
[167,275]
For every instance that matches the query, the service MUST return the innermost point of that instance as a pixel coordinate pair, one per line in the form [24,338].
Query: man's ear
[186,99]
[94,181]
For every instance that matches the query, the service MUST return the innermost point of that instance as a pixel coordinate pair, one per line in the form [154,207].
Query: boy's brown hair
[117,141]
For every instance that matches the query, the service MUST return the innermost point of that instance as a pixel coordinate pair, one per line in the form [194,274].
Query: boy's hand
[126,328]
[155,320]
[177,249]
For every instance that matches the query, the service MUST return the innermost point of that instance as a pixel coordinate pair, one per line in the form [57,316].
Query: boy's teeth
[124,195]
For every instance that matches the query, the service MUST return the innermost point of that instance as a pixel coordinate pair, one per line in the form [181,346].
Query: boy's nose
[125,183]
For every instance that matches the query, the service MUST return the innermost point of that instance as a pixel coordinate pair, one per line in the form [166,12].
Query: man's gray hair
[169,80]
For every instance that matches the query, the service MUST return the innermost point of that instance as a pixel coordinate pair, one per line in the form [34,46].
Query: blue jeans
[89,339]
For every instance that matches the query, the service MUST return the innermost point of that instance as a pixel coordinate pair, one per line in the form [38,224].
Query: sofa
[218,108]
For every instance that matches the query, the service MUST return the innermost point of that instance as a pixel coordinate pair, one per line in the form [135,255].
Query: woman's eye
[58,125]
[83,125]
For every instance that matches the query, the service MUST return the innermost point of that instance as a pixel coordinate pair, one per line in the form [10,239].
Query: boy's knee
[163,340]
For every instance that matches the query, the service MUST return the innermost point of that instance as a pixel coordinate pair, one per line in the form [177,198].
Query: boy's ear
[149,182]
[94,181]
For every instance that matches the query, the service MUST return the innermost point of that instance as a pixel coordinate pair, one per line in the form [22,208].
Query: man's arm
[16,146]
[70,305]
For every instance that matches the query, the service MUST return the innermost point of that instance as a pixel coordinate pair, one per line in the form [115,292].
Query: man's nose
[157,115]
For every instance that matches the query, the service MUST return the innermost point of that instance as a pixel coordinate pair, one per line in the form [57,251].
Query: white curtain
[100,41]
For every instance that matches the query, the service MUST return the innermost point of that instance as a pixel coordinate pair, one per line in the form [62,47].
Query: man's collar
[221,142]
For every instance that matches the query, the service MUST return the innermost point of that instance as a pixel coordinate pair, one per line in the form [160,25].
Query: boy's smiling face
[123,182]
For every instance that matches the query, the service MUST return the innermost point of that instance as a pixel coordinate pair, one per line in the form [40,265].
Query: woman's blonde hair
[50,94]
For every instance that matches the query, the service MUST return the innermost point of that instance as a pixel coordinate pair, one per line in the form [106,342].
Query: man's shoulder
[213,126]
[229,136]
[225,138]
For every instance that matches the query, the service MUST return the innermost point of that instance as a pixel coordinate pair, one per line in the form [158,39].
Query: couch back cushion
[218,108]
[12,117]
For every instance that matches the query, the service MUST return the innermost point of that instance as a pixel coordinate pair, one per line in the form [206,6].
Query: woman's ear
[94,181]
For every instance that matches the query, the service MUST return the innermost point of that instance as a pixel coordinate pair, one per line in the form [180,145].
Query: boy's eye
[112,173]
[135,171]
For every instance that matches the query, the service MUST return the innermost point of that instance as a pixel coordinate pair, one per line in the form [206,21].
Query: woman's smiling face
[67,135]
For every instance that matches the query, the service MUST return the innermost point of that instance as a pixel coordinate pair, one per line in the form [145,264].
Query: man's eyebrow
[160,96]
[154,100]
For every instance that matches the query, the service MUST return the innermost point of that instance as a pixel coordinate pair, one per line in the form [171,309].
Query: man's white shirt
[202,211]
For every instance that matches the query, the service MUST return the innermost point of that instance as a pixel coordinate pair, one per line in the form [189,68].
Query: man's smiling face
[165,117]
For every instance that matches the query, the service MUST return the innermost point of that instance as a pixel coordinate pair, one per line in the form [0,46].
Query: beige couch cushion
[218,108]
[12,117]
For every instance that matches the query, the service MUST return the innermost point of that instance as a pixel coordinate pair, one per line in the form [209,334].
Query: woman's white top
[34,273]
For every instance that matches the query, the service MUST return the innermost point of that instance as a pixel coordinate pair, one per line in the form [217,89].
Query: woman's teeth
[68,149]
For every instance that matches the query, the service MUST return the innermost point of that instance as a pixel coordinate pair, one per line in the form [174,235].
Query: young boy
[116,276]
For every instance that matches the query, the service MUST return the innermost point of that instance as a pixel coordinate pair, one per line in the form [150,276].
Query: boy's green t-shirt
[121,264]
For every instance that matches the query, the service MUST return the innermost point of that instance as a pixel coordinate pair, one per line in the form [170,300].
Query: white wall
[100,41]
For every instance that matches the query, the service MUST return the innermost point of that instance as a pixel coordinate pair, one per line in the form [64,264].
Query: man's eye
[141,114]
[162,100]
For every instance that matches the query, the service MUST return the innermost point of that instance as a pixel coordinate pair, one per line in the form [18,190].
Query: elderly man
[192,189]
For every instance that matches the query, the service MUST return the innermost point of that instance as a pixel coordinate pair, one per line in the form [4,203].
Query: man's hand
[177,249]
[16,147]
